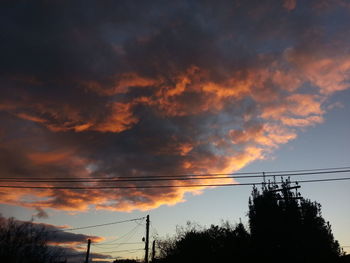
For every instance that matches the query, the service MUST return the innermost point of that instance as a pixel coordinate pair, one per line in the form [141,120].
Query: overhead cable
[235,175]
[161,186]
[107,224]
[151,179]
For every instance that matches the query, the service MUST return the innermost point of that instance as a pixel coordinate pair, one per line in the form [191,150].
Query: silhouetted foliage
[286,227]
[24,242]
[345,259]
[215,244]
[126,261]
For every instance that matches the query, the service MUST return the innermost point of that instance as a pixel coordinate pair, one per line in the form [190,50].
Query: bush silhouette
[215,244]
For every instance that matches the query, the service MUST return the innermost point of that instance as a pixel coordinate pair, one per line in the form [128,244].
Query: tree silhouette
[23,242]
[286,227]
[215,244]
[126,261]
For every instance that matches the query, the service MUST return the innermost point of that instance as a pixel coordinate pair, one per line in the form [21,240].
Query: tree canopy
[214,244]
[24,242]
[283,227]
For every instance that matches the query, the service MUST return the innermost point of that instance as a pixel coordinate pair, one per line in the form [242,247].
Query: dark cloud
[55,234]
[115,88]
[40,213]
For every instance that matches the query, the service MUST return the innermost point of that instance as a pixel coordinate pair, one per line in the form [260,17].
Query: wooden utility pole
[147,239]
[88,251]
[264,182]
[296,197]
[153,250]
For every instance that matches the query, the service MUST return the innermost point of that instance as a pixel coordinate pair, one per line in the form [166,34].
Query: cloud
[40,213]
[290,4]
[56,235]
[155,89]
[74,256]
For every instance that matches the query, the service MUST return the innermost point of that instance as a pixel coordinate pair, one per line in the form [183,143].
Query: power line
[151,179]
[123,180]
[120,244]
[159,186]
[322,180]
[132,177]
[107,224]
[127,250]
[116,244]
[258,174]
[111,242]
[309,170]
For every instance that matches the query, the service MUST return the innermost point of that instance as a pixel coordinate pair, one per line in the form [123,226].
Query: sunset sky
[101,89]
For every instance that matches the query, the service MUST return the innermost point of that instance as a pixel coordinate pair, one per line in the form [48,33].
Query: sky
[101,89]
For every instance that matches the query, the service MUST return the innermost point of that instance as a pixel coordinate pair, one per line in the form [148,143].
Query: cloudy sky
[101,89]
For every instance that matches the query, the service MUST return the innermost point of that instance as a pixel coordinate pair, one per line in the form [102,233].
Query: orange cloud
[159,95]
[328,73]
[297,122]
[50,157]
[29,117]
[302,105]
[289,4]
[280,112]
[243,136]
[120,119]
[121,84]
[270,135]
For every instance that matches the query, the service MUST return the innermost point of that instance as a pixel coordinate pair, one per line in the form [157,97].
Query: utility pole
[88,251]
[153,250]
[296,187]
[264,183]
[147,239]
